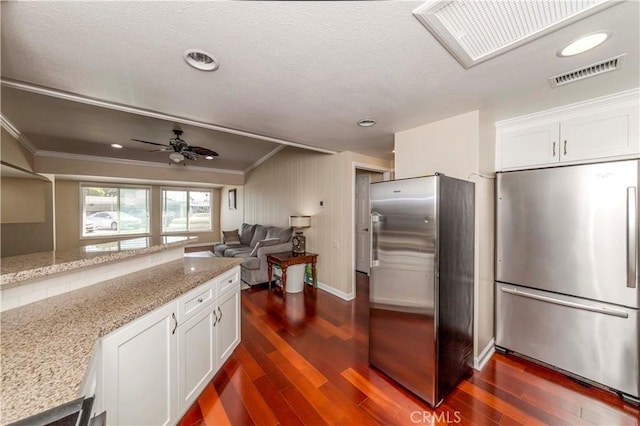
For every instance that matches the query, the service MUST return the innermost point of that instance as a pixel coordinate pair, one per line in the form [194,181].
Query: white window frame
[112,185]
[187,189]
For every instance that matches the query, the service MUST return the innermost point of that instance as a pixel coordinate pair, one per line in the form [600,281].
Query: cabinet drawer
[229,281]
[196,300]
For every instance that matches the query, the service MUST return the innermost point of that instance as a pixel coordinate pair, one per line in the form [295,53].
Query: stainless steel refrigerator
[421,283]
[567,270]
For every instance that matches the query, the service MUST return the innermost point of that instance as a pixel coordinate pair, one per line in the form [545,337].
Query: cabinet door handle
[173,315]
[215,315]
[565,147]
[554,149]
[220,313]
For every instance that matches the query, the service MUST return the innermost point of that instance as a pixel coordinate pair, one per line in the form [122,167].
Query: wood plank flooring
[304,362]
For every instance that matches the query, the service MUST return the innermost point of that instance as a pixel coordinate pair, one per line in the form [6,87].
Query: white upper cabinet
[531,146]
[601,129]
[607,133]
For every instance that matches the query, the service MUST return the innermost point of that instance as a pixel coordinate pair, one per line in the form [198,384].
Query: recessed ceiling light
[366,122]
[116,146]
[393,151]
[201,60]
[584,43]
[209,157]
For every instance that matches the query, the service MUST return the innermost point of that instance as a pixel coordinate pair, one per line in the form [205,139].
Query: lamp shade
[300,221]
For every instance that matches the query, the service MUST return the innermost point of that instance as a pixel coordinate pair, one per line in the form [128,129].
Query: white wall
[461,147]
[293,182]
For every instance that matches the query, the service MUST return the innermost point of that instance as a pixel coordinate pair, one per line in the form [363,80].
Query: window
[112,210]
[186,210]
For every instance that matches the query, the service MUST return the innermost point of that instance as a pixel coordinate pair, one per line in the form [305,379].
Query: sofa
[253,243]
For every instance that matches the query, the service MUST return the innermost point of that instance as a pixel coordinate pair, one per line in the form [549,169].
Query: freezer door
[401,284]
[594,340]
[570,230]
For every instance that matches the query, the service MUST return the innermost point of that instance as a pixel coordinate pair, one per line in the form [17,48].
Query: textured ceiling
[304,72]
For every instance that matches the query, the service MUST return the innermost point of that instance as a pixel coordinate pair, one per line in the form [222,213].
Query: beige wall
[27,204]
[23,200]
[68,216]
[12,152]
[231,219]
[461,147]
[293,182]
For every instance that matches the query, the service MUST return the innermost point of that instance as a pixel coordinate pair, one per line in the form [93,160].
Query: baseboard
[335,292]
[481,360]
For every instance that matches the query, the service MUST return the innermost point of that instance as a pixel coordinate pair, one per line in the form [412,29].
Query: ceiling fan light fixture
[116,146]
[209,157]
[176,157]
[200,60]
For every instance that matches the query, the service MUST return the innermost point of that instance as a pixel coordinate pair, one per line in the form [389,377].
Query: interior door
[363,236]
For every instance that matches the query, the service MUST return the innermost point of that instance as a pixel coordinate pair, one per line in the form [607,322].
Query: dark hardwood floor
[304,362]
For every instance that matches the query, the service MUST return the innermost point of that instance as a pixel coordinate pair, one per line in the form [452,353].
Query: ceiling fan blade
[161,150]
[150,143]
[203,151]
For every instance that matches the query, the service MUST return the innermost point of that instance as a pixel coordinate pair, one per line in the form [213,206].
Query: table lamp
[299,222]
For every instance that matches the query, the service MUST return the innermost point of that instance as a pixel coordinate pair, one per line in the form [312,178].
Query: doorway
[362,223]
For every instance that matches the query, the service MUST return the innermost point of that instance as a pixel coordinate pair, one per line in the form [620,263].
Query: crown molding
[265,158]
[13,131]
[41,90]
[631,96]
[112,160]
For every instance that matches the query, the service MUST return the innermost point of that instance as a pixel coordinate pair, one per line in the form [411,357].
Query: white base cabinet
[155,367]
[603,129]
[139,366]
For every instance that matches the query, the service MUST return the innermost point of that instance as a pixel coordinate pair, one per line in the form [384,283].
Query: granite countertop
[46,346]
[21,268]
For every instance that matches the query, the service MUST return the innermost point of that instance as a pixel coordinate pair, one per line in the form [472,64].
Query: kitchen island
[32,277]
[47,346]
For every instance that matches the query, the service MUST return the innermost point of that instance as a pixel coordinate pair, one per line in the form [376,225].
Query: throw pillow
[231,237]
[263,243]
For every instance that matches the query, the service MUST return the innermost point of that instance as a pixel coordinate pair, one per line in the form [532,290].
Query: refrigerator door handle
[601,310]
[373,240]
[632,238]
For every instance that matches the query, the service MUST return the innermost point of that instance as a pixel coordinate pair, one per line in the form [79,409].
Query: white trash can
[295,278]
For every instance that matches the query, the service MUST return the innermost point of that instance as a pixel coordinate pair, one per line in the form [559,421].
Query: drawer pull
[199,299]
[600,310]
[230,281]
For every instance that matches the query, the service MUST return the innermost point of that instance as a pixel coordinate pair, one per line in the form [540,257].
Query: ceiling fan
[181,150]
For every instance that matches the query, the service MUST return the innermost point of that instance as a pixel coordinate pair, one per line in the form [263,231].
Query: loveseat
[253,243]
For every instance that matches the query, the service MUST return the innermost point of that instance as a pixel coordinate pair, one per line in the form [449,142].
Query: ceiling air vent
[474,31]
[588,71]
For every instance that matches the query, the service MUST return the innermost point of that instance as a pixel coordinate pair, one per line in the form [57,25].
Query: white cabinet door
[197,358]
[139,371]
[531,146]
[228,327]
[609,133]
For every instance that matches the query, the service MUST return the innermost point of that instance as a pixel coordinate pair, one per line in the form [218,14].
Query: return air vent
[474,31]
[588,71]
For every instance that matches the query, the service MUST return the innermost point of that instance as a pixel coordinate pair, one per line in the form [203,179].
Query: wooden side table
[287,258]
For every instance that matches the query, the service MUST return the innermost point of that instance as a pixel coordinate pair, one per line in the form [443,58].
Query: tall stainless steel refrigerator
[567,270]
[421,283]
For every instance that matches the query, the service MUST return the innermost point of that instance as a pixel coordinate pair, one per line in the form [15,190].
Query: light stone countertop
[46,346]
[16,269]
